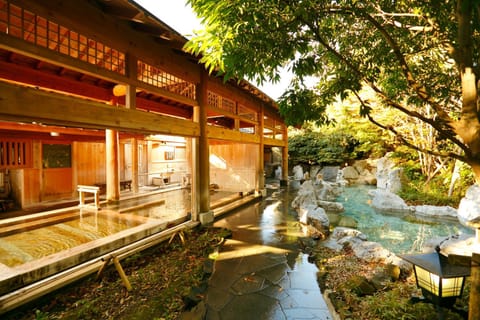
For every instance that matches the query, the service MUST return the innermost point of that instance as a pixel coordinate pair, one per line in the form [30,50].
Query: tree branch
[448,133]
[415,147]
[418,88]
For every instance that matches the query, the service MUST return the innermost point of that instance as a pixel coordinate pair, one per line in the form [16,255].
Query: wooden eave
[126,26]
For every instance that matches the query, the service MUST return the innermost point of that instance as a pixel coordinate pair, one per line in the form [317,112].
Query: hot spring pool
[397,234]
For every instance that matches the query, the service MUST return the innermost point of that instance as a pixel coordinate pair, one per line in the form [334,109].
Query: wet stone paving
[260,272]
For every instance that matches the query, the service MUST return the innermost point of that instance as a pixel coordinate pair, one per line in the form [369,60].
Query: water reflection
[29,238]
[398,234]
[41,240]
[261,272]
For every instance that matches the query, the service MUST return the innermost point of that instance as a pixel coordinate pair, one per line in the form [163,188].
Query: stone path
[257,280]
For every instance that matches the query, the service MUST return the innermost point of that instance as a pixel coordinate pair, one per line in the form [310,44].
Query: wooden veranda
[101,92]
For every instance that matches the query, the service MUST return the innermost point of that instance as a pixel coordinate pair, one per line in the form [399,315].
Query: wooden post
[131,91]
[284,180]
[261,156]
[120,271]
[474,301]
[192,151]
[134,151]
[113,181]
[203,147]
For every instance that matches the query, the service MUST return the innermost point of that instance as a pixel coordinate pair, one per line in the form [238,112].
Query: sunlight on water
[392,232]
[28,245]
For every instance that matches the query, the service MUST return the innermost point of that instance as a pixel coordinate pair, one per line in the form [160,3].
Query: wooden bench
[95,190]
[124,184]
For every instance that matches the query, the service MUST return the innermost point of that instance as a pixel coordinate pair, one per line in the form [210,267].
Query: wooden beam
[35,77]
[231,135]
[20,46]
[23,104]
[274,142]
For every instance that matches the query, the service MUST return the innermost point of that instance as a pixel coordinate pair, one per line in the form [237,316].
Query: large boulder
[330,206]
[388,177]
[460,244]
[315,217]
[469,208]
[360,172]
[384,166]
[435,212]
[388,202]
[297,172]
[350,173]
[341,236]
[327,191]
[394,183]
[306,195]
[367,177]
[329,173]
[363,249]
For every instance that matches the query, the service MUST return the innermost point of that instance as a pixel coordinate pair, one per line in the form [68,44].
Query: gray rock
[315,217]
[350,173]
[435,211]
[469,208]
[331,206]
[297,172]
[306,195]
[462,245]
[363,249]
[341,236]
[367,177]
[394,182]
[388,202]
[327,191]
[329,173]
[384,166]
[371,251]
[340,233]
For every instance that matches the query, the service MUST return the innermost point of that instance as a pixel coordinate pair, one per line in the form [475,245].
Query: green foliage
[394,304]
[39,315]
[310,147]
[416,189]
[411,54]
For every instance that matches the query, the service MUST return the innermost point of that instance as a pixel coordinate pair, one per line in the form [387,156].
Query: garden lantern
[440,282]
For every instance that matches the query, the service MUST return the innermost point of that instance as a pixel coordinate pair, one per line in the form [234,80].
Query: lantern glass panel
[428,280]
[452,287]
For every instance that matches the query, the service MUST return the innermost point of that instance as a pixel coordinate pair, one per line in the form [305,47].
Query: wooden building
[101,92]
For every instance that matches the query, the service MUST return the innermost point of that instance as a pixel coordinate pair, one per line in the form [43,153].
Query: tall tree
[415,55]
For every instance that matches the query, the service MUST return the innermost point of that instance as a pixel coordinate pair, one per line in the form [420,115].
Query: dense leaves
[414,55]
[316,148]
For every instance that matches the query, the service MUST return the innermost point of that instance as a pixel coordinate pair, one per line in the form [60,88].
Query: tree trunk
[474,301]
[455,176]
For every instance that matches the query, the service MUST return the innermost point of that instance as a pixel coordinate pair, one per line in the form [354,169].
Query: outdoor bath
[51,242]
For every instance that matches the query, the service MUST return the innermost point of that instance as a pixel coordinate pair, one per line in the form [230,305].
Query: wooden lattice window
[24,24]
[15,154]
[167,81]
[247,113]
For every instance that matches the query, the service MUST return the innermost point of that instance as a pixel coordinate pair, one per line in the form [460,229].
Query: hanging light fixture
[441,282]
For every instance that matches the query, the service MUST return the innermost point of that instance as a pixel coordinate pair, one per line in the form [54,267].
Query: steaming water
[397,234]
